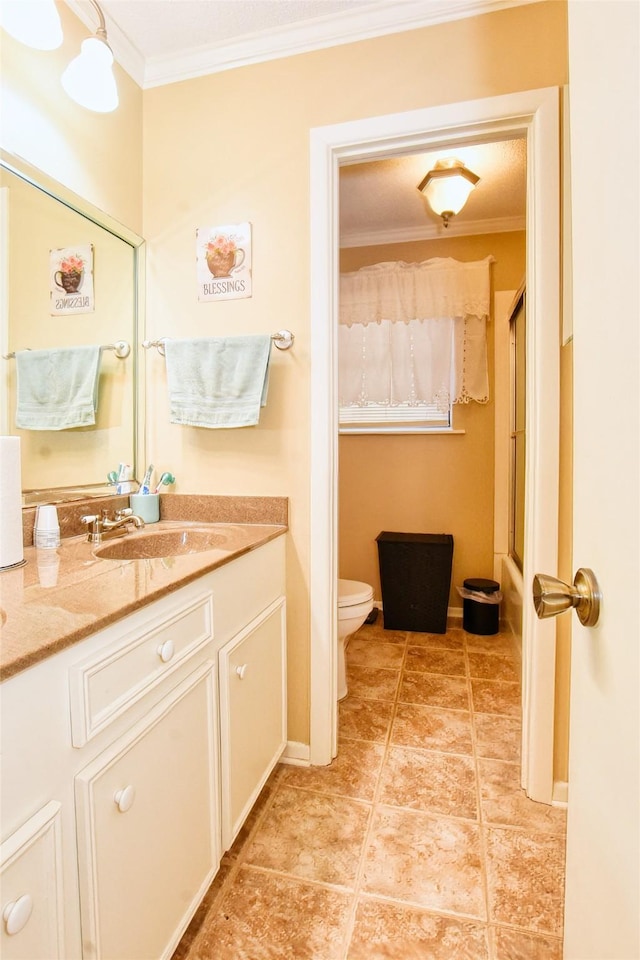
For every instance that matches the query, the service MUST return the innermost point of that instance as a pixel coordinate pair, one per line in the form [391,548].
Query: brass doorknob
[552,596]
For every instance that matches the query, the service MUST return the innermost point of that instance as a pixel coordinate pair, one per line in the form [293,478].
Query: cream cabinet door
[147,827]
[31,900]
[253,713]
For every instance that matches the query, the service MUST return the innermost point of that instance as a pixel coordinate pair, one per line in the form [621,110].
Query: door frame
[533,114]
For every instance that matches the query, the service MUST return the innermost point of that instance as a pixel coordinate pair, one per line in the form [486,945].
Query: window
[395,376]
[412,342]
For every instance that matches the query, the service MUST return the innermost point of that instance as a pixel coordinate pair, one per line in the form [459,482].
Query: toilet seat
[351,592]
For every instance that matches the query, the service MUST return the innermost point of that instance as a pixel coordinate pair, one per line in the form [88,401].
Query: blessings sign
[223,260]
[71,280]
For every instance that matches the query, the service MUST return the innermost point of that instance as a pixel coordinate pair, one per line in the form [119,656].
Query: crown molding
[375,238]
[290,40]
[286,41]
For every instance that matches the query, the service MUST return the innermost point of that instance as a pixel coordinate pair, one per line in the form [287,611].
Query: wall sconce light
[88,79]
[447,187]
[36,23]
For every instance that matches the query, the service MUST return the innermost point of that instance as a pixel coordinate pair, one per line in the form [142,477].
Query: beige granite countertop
[62,596]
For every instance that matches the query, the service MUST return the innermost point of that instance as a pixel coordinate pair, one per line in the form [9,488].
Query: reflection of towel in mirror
[57,389]
[217,381]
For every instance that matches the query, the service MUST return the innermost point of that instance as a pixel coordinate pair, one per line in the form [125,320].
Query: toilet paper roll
[11,548]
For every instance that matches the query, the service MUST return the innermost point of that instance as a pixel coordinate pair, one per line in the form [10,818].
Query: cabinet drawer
[106,684]
[147,827]
[31,904]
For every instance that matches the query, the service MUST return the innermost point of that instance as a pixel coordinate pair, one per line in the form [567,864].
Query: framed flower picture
[223,260]
[71,280]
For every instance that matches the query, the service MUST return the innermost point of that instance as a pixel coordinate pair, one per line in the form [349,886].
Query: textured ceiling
[381,197]
[158,28]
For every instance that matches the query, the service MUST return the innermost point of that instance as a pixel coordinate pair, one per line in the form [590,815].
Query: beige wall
[98,156]
[427,484]
[235,146]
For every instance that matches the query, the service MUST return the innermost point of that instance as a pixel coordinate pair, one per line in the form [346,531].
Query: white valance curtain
[414,333]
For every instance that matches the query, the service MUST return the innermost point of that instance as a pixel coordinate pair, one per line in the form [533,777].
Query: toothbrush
[145,486]
[165,480]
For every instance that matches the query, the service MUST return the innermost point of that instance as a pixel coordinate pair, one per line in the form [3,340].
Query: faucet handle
[125,512]
[90,518]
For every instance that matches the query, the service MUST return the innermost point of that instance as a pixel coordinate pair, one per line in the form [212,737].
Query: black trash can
[415,576]
[478,617]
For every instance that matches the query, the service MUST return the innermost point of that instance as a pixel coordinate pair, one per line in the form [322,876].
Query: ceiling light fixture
[89,78]
[36,23]
[447,186]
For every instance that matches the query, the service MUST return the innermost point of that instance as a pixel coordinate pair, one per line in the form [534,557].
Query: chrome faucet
[105,527]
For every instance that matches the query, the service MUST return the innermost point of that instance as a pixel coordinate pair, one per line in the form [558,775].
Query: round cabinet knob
[242,670]
[124,798]
[16,914]
[166,651]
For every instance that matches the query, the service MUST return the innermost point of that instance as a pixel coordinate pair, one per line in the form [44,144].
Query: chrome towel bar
[283,339]
[121,349]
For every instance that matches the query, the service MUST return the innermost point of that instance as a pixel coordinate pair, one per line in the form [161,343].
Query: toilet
[355,603]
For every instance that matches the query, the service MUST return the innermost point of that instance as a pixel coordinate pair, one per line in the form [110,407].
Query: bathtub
[511,585]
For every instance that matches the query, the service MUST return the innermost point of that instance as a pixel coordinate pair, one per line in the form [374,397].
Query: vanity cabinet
[130,761]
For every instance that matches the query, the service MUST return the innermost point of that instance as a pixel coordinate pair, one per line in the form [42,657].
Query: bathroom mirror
[42,225]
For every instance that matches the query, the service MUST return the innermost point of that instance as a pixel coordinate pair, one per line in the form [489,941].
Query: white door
[603,854]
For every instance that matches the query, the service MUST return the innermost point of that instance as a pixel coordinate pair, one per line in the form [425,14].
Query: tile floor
[416,842]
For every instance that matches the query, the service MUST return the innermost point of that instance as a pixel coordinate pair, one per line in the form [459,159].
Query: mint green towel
[57,389]
[217,381]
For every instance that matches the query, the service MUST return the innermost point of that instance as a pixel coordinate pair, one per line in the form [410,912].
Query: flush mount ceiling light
[447,187]
[89,79]
[36,23]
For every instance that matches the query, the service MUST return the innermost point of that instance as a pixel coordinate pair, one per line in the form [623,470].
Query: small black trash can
[415,575]
[477,616]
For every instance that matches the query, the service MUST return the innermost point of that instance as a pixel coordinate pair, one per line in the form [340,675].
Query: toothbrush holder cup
[146,505]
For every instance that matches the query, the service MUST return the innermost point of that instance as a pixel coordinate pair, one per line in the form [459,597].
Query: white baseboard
[560,795]
[295,753]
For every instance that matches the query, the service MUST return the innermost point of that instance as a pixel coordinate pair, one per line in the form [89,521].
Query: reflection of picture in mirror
[71,280]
